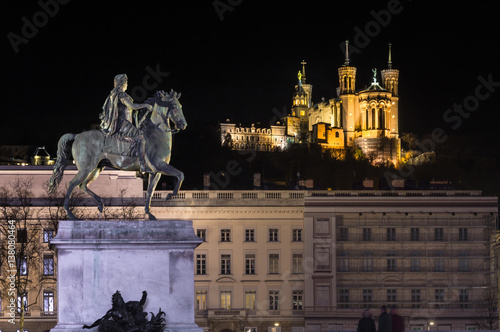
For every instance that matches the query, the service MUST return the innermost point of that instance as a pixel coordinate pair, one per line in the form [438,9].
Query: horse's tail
[63,151]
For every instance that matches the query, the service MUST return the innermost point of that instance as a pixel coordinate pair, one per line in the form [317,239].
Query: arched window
[337,135]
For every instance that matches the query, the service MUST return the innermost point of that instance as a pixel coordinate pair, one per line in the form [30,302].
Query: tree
[486,313]
[22,249]
[409,139]
[228,141]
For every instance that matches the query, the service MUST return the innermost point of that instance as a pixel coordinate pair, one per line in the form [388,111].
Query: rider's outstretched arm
[133,106]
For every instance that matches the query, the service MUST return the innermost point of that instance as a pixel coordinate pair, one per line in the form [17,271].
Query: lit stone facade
[254,138]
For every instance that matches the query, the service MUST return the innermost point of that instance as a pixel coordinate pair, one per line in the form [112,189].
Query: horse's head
[170,109]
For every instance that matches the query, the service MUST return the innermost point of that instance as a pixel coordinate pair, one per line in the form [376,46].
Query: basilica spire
[347,60]
[389,63]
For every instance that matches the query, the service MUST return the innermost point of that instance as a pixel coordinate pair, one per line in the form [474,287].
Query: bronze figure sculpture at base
[127,317]
[141,147]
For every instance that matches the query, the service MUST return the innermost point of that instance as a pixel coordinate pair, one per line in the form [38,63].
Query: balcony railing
[300,194]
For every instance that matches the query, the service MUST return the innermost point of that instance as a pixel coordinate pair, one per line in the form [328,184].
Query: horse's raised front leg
[153,181]
[170,170]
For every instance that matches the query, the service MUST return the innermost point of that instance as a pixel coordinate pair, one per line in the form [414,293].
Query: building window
[391,295]
[462,234]
[439,298]
[250,300]
[225,235]
[23,266]
[297,263]
[438,264]
[48,265]
[415,264]
[367,263]
[249,235]
[201,300]
[225,299]
[22,300]
[463,262]
[391,234]
[225,264]
[438,234]
[48,301]
[297,235]
[367,234]
[202,234]
[201,264]
[48,234]
[344,298]
[391,264]
[415,234]
[22,235]
[415,298]
[297,296]
[367,297]
[464,298]
[343,264]
[274,262]
[343,234]
[274,300]
[249,263]
[273,235]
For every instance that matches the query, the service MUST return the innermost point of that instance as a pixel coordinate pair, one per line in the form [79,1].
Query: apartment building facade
[293,261]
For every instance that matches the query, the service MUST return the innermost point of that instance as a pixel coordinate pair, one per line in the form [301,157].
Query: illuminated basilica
[364,119]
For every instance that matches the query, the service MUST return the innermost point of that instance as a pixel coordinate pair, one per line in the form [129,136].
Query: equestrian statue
[133,137]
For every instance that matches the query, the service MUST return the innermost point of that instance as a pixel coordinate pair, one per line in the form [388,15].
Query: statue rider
[116,116]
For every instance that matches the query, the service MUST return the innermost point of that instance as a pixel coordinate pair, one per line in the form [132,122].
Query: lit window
[250,300]
[201,300]
[48,301]
[225,300]
[48,234]
[48,265]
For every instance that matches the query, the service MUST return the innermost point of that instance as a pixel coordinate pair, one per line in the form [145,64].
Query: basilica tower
[390,81]
[346,93]
[301,102]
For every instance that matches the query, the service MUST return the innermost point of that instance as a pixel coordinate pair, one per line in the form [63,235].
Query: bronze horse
[90,154]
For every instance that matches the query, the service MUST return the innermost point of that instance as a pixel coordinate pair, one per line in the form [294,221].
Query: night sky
[240,60]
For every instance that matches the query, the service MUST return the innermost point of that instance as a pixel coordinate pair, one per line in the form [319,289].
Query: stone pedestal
[97,258]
